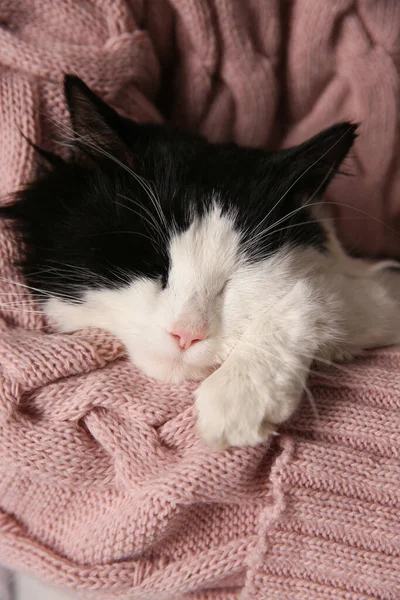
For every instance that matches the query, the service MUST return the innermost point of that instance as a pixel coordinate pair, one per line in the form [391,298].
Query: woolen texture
[105,487]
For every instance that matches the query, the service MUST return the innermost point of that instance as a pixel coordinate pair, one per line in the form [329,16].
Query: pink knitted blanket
[104,485]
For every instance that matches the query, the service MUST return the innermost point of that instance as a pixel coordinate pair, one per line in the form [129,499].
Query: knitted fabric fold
[105,487]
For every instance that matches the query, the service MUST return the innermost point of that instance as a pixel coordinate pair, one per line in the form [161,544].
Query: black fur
[87,223]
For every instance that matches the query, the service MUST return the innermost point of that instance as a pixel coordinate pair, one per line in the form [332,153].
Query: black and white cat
[208,262]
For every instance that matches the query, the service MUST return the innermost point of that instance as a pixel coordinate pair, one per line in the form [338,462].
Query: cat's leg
[370,312]
[332,316]
[262,381]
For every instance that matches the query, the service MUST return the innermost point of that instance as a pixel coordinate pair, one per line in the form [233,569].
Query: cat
[210,262]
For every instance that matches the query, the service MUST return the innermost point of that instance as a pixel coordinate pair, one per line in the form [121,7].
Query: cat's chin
[170,372]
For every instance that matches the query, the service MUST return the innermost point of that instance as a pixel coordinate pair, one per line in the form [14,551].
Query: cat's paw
[241,409]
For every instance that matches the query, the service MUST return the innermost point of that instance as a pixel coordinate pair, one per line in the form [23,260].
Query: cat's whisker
[311,400]
[312,358]
[78,272]
[124,277]
[70,140]
[261,252]
[155,224]
[325,202]
[20,310]
[162,235]
[144,184]
[304,173]
[319,221]
[135,233]
[270,230]
[33,289]
[345,369]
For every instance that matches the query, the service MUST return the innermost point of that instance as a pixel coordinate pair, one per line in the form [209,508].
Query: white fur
[266,321]
[28,588]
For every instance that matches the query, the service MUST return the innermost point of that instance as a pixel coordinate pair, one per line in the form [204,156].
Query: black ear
[96,126]
[312,165]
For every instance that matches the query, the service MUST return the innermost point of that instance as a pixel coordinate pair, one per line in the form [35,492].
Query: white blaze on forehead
[204,256]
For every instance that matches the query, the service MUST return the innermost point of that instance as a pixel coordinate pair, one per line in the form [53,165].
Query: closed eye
[222,290]
[164,280]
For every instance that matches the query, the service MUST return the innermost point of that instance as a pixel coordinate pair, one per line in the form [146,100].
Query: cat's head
[170,242]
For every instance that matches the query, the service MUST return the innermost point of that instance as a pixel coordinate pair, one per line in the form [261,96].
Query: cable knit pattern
[104,486]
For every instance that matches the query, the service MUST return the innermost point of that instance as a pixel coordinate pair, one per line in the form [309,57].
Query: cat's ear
[313,164]
[96,126]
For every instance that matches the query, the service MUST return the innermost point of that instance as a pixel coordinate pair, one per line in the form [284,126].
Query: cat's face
[169,242]
[182,325]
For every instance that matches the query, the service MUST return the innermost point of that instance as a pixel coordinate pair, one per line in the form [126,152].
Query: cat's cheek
[161,366]
[155,369]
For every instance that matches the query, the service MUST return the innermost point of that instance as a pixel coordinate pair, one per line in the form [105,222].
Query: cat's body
[206,261]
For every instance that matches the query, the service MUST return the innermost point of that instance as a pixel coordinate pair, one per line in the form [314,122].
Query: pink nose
[186,338]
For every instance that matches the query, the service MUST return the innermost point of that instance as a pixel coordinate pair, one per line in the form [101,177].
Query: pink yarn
[104,486]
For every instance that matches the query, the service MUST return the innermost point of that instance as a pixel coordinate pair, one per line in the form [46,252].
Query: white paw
[241,408]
